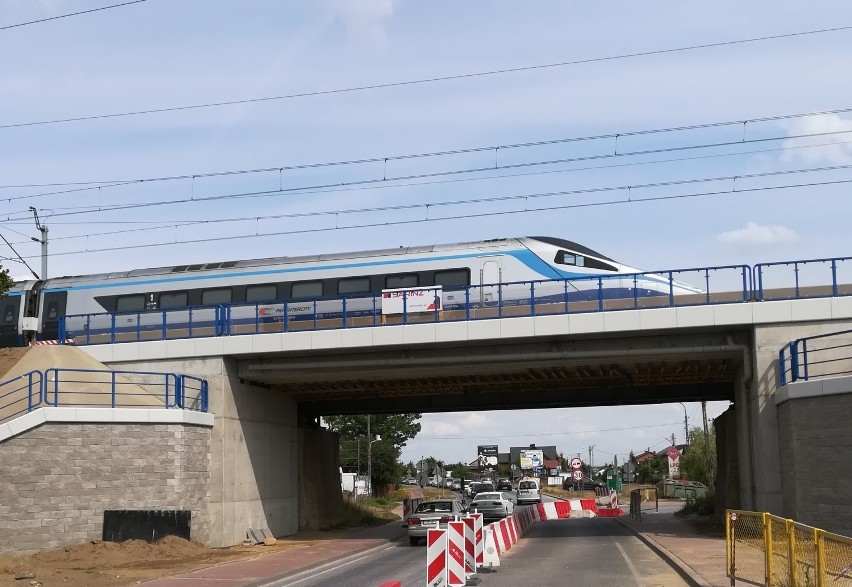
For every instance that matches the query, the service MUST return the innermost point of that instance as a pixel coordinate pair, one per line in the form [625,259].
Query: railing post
[565,293]
[405,307]
[600,295]
[635,291]
[532,298]
[467,303]
[782,367]
[111,330]
[768,549]
[203,392]
[805,356]
[791,552]
[62,330]
[499,300]
[794,360]
[819,556]
[315,313]
[671,290]
[374,310]
[439,305]
[344,312]
[834,278]
[138,326]
[707,286]
[88,328]
[164,329]
[112,387]
[180,390]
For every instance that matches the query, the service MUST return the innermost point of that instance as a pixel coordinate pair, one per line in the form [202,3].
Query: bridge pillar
[254,457]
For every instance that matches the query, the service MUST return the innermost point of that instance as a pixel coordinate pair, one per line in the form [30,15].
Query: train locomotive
[561,269]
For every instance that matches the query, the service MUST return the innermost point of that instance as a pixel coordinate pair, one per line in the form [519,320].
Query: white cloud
[754,234]
[837,149]
[364,20]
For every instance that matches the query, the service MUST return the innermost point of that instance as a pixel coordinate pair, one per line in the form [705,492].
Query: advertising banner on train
[411,299]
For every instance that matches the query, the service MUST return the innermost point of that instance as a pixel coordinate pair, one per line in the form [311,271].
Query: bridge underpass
[523,374]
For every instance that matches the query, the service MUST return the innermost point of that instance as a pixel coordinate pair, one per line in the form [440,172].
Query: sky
[85,178]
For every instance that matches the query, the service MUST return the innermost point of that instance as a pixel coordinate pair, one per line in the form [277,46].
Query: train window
[174,299]
[52,311]
[307,289]
[130,303]
[565,258]
[9,314]
[216,296]
[452,278]
[595,264]
[261,293]
[352,285]
[398,281]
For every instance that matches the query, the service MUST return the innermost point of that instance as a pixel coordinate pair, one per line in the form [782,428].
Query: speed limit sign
[578,475]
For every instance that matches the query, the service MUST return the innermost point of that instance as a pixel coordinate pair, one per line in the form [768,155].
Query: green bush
[703,506]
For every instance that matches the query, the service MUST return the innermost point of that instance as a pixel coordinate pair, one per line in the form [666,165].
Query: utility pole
[709,464]
[673,440]
[369,458]
[685,424]
[43,242]
[591,459]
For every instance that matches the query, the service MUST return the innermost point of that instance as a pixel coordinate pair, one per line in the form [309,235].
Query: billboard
[674,462]
[487,456]
[532,458]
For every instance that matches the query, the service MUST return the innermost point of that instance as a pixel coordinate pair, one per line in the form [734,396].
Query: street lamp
[370,461]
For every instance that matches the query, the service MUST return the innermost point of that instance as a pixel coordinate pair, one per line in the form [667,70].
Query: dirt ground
[113,565]
[9,358]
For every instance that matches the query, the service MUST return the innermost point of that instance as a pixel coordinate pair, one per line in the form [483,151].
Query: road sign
[514,466]
[576,464]
[578,475]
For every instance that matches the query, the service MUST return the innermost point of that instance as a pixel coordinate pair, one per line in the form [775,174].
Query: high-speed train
[32,309]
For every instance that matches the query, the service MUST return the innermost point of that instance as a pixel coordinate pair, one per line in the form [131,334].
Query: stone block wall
[815,437]
[56,480]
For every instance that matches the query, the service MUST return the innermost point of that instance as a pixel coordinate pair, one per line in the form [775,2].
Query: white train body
[467,273]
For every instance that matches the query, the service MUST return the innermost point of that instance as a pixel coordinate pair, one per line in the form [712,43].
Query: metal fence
[762,549]
[101,388]
[823,355]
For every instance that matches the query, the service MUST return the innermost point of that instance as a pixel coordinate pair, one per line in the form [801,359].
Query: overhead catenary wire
[526,210]
[96,184]
[428,80]
[31,22]
[328,187]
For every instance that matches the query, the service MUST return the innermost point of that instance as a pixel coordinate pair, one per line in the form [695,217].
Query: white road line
[633,570]
[312,573]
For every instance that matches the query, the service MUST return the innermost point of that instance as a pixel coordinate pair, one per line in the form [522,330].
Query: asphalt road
[593,551]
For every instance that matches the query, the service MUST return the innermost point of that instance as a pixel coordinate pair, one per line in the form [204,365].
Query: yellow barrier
[762,549]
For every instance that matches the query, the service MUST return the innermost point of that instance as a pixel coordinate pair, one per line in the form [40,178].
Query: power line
[428,80]
[20,24]
[93,185]
[628,200]
[376,182]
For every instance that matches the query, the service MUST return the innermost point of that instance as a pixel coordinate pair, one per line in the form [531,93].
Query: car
[456,485]
[585,484]
[431,515]
[504,484]
[528,491]
[410,481]
[482,486]
[492,505]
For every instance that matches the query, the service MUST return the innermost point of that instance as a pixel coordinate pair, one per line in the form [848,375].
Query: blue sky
[160,54]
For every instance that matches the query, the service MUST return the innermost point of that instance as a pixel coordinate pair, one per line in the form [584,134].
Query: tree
[694,461]
[394,429]
[6,282]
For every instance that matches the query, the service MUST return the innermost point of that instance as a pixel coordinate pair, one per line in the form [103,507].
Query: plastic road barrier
[477,538]
[490,551]
[455,554]
[469,546]
[436,558]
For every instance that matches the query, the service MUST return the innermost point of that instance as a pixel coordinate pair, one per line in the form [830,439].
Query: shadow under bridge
[522,374]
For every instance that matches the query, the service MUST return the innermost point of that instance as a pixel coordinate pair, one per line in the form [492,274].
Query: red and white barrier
[490,550]
[513,528]
[455,554]
[469,546]
[436,558]
[45,342]
[478,545]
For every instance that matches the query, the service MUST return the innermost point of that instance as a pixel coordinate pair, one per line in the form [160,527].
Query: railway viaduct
[269,464]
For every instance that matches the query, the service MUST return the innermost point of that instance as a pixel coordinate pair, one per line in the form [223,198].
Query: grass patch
[365,513]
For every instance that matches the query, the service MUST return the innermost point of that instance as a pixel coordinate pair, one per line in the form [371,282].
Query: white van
[528,491]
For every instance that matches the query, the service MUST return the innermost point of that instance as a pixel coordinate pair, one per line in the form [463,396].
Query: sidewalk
[699,557]
[268,567]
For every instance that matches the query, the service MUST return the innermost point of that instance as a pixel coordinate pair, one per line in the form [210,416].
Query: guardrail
[822,355]
[725,284]
[637,499]
[762,549]
[20,395]
[101,388]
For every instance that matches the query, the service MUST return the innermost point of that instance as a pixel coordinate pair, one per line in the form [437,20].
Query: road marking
[633,571]
[312,573]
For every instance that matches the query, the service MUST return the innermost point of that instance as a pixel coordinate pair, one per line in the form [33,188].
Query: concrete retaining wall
[56,480]
[320,498]
[815,437]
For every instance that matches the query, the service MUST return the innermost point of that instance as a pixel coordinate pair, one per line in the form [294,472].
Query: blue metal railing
[101,388]
[808,278]
[20,395]
[669,288]
[822,355]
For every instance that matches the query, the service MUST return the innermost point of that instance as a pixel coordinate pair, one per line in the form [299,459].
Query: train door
[10,313]
[53,306]
[490,274]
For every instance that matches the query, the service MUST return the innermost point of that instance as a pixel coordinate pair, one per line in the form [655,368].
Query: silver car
[492,505]
[431,515]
